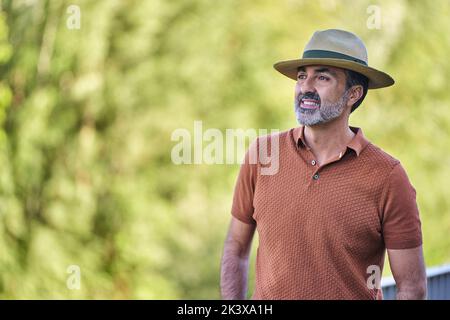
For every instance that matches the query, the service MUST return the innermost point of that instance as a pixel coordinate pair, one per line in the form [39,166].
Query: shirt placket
[315,168]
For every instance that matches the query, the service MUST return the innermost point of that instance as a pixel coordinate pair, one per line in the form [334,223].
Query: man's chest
[340,205]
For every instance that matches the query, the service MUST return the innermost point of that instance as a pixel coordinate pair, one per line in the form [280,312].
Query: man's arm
[234,268]
[408,269]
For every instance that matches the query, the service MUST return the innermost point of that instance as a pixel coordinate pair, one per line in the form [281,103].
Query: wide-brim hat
[337,48]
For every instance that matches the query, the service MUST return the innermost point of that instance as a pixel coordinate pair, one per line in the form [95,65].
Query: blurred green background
[87,115]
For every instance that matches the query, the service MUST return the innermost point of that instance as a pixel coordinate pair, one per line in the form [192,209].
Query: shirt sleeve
[244,190]
[401,224]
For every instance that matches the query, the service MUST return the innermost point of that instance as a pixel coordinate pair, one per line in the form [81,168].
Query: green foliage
[87,115]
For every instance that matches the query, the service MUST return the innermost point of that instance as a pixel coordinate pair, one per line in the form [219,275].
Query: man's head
[324,93]
[344,55]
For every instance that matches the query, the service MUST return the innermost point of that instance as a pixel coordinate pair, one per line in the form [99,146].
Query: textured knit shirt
[323,228]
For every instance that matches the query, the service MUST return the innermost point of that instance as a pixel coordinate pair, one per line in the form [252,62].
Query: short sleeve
[401,224]
[244,190]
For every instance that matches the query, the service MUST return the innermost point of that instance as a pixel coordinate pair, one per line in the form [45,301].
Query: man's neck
[328,140]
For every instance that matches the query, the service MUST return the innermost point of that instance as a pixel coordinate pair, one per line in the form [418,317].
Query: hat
[337,48]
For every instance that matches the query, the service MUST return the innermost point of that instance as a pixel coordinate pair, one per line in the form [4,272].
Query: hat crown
[339,41]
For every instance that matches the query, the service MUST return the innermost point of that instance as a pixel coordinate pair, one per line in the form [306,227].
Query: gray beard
[326,112]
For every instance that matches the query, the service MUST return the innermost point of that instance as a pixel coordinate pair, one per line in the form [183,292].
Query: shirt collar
[357,144]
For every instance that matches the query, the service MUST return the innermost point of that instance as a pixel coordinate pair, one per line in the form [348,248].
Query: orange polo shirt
[321,228]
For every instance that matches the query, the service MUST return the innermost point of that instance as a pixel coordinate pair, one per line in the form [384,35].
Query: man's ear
[356,92]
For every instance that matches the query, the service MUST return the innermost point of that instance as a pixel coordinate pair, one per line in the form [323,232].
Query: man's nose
[307,86]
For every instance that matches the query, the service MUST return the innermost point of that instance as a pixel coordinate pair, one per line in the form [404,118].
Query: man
[337,202]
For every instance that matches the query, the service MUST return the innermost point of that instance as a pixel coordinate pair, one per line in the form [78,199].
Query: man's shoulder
[380,158]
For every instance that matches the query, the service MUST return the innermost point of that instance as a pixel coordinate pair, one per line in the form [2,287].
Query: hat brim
[377,79]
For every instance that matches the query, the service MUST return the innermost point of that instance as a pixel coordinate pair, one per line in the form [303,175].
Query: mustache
[308,95]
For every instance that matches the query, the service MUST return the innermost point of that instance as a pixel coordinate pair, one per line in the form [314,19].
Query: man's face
[320,94]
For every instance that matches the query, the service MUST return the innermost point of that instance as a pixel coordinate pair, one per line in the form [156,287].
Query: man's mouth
[309,104]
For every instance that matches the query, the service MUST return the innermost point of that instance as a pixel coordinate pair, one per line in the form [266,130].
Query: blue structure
[438,284]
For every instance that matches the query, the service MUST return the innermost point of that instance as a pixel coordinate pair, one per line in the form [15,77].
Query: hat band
[330,55]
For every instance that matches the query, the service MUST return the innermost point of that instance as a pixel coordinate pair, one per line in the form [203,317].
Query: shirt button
[313,162]
[316,176]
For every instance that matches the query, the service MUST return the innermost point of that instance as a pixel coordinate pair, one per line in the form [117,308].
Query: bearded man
[337,202]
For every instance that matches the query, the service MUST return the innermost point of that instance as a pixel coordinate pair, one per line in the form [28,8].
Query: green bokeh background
[87,114]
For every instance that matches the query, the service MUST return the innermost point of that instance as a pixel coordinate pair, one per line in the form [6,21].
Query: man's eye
[323,78]
[301,76]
